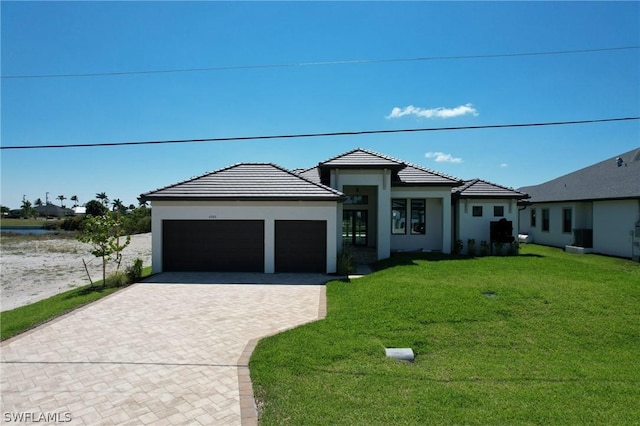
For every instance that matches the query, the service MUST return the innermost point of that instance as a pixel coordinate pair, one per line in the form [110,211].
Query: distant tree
[118,206]
[61,198]
[142,203]
[103,198]
[4,210]
[74,198]
[132,207]
[38,202]
[95,208]
[103,233]
[27,210]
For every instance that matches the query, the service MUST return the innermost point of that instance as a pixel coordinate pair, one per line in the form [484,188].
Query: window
[398,216]
[498,211]
[477,211]
[357,199]
[417,216]
[533,218]
[566,221]
[545,220]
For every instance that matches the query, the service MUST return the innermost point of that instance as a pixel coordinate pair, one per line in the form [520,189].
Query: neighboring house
[51,210]
[597,208]
[477,205]
[264,218]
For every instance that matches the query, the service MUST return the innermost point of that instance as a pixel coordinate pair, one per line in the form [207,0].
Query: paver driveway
[165,352]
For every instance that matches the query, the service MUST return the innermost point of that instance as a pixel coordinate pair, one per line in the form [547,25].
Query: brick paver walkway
[151,354]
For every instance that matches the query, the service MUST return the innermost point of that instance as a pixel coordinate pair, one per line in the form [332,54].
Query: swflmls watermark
[37,417]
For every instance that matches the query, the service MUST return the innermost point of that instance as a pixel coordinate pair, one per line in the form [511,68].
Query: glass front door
[354,227]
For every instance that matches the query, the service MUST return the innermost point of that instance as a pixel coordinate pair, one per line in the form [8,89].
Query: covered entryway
[213,245]
[301,246]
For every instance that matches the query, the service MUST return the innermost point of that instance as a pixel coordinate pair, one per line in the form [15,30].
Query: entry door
[354,227]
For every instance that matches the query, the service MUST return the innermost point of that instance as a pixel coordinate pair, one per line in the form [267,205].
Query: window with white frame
[398,216]
[418,216]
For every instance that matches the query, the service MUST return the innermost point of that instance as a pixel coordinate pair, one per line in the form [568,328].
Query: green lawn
[542,338]
[24,222]
[21,319]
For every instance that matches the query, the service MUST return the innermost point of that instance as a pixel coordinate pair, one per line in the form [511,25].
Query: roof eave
[440,184]
[337,198]
[394,167]
[586,200]
[487,196]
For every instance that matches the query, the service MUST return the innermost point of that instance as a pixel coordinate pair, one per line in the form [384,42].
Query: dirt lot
[35,269]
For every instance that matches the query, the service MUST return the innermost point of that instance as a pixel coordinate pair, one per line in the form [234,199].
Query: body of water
[27,230]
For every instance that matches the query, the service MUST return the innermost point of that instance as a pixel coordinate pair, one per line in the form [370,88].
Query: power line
[316,135]
[308,64]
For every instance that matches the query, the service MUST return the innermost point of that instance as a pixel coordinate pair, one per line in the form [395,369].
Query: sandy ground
[34,270]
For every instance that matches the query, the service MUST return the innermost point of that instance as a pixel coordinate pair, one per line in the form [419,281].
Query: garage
[213,245]
[300,246]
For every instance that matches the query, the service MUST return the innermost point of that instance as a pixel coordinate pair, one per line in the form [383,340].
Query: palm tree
[27,211]
[103,198]
[74,198]
[38,202]
[117,205]
[61,198]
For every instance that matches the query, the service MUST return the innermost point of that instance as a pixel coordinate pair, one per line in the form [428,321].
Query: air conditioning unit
[583,238]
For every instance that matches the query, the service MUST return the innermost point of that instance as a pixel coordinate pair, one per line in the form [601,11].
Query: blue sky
[101,37]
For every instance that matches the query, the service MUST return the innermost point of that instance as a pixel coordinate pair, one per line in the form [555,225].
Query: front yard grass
[542,338]
[18,320]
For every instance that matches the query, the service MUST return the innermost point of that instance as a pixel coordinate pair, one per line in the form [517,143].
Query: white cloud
[503,165]
[441,157]
[439,112]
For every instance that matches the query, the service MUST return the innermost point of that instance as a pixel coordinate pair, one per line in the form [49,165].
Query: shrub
[499,246]
[118,279]
[134,271]
[345,264]
[484,248]
[471,247]
[457,247]
[138,221]
[73,224]
[513,249]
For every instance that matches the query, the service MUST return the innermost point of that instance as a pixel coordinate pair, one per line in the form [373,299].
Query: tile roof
[407,173]
[478,188]
[600,181]
[251,181]
[312,174]
[417,175]
[363,158]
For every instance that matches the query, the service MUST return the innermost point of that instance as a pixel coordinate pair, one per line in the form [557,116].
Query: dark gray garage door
[301,246]
[213,245]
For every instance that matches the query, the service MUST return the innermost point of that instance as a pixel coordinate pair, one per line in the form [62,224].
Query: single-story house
[596,208]
[51,210]
[480,206]
[264,218]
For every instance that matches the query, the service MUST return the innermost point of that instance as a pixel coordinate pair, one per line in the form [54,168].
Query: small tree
[75,200]
[61,198]
[95,208]
[103,233]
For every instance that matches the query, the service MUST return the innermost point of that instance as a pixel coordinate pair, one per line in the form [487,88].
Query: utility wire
[309,64]
[316,135]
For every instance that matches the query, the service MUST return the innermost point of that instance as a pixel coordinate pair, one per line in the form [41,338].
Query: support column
[447,234]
